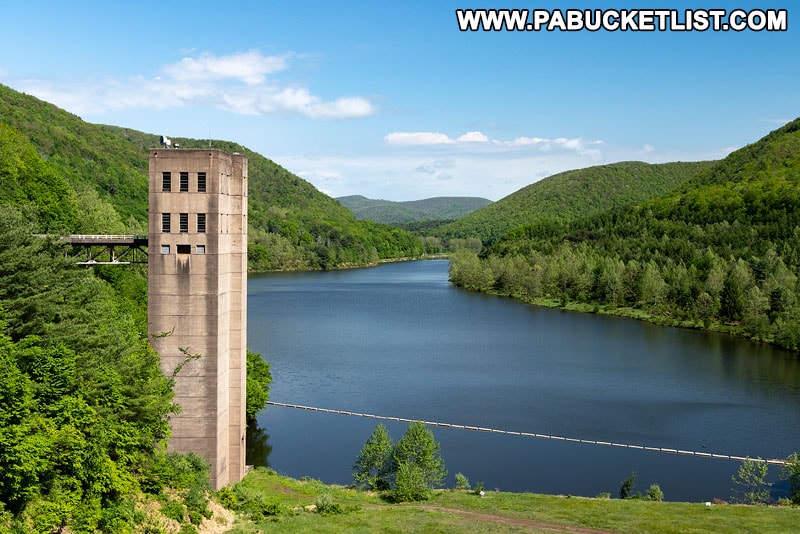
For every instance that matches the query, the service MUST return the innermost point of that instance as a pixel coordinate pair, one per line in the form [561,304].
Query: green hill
[454,511]
[721,252]
[429,209]
[570,195]
[103,170]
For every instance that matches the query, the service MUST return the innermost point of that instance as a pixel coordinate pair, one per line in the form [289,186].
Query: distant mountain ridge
[92,178]
[390,212]
[571,195]
[720,251]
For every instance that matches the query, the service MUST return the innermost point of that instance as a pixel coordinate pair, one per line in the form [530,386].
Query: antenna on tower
[165,141]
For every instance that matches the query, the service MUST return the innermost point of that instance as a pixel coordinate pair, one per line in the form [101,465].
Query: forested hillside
[429,209]
[102,172]
[84,406]
[721,253]
[570,195]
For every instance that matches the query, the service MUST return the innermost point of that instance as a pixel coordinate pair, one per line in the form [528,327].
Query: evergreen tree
[373,467]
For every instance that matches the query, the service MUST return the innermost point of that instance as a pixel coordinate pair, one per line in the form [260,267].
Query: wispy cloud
[779,122]
[435,167]
[541,144]
[239,83]
[248,67]
[417,138]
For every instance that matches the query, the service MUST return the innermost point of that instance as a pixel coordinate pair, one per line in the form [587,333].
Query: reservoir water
[399,340]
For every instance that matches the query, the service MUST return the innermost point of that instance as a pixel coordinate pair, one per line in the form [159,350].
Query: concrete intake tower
[197,301]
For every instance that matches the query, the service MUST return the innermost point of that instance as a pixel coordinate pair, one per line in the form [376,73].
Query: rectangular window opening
[201,249]
[184,249]
[184,181]
[201,223]
[165,249]
[184,223]
[165,223]
[201,182]
[166,182]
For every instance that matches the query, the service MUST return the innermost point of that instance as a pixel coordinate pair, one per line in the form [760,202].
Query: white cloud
[432,138]
[341,108]
[525,141]
[578,145]
[248,67]
[237,83]
[473,137]
[417,138]
[648,148]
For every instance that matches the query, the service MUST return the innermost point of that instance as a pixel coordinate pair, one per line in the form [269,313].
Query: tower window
[184,181]
[183,249]
[166,182]
[201,249]
[201,182]
[201,223]
[165,249]
[165,223]
[184,222]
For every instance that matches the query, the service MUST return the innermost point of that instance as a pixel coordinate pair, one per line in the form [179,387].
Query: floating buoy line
[774,461]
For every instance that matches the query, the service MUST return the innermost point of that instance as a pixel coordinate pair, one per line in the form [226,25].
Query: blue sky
[390,100]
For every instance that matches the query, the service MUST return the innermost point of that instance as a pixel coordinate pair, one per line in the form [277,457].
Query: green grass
[460,511]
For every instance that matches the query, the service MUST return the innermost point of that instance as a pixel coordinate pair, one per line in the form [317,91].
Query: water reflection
[258,447]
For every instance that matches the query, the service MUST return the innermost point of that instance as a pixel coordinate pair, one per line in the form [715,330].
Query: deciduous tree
[418,447]
[751,482]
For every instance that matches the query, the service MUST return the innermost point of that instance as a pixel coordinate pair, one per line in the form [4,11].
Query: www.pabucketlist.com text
[635,20]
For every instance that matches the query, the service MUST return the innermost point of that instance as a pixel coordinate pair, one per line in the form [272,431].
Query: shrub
[791,472]
[654,493]
[195,518]
[627,486]
[410,483]
[118,518]
[177,471]
[196,501]
[227,498]
[462,482]
[173,510]
[325,505]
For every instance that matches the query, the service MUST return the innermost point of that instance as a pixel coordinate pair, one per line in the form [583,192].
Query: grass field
[272,503]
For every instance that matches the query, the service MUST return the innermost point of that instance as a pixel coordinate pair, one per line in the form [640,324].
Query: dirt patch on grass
[220,521]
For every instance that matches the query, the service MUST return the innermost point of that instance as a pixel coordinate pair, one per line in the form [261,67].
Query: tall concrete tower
[197,284]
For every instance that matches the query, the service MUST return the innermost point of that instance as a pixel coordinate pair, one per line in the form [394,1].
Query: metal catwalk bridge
[110,249]
[774,461]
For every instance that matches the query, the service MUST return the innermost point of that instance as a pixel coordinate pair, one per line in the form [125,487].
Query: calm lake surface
[399,340]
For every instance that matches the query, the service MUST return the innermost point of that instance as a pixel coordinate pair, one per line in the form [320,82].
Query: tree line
[721,252]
